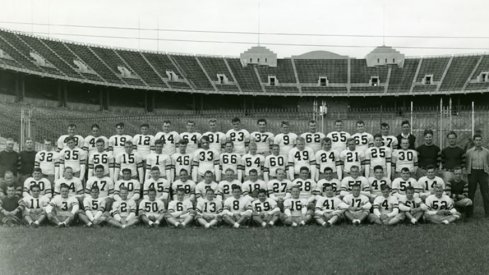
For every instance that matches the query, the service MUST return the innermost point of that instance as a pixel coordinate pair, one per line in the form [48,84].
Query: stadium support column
[20,88]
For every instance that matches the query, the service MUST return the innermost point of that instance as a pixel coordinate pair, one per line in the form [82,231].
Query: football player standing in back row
[117,141]
[388,140]
[239,137]
[313,137]
[285,140]
[90,144]
[262,138]
[191,136]
[62,141]
[216,138]
[362,138]
[144,143]
[338,137]
[169,138]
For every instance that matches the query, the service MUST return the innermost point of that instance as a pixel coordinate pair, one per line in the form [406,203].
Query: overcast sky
[454,18]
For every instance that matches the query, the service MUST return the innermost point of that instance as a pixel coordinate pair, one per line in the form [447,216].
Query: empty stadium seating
[220,75]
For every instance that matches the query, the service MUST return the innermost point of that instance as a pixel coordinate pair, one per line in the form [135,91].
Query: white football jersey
[272,163]
[351,158]
[72,158]
[117,142]
[285,142]
[144,144]
[46,160]
[307,187]
[162,161]
[299,159]
[363,140]
[181,161]
[262,141]
[169,141]
[90,143]
[253,162]
[193,140]
[389,141]
[216,140]
[326,159]
[240,139]
[338,140]
[313,140]
[79,141]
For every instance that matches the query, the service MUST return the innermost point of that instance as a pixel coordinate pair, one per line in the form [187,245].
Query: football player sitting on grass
[94,208]
[328,208]
[180,211]
[123,211]
[410,206]
[10,211]
[34,207]
[209,210]
[237,209]
[265,210]
[357,205]
[295,209]
[152,210]
[63,208]
[386,208]
[439,207]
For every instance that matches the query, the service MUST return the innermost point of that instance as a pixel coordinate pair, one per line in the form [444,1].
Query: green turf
[455,249]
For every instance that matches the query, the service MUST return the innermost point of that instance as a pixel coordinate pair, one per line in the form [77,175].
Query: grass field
[437,249]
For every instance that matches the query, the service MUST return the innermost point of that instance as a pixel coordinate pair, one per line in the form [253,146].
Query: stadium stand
[458,73]
[245,76]
[145,71]
[284,72]
[192,71]
[401,79]
[432,66]
[309,71]
[360,73]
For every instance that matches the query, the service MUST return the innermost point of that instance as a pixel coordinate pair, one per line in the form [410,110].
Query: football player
[94,209]
[239,137]
[388,140]
[439,207]
[313,137]
[168,138]
[377,181]
[237,209]
[378,155]
[159,184]
[152,210]
[405,158]
[123,211]
[265,210]
[207,183]
[132,186]
[191,137]
[252,185]
[386,208]
[205,159]
[90,142]
[101,157]
[209,210]
[352,180]
[186,184]
[459,190]
[307,186]
[285,140]
[273,162]
[63,142]
[224,190]
[328,179]
[63,208]
[144,143]
[295,209]
[363,140]
[216,138]
[180,211]
[262,138]
[352,156]
[253,161]
[299,157]
[34,206]
[74,185]
[47,161]
[327,157]
[410,206]
[428,182]
[399,185]
[74,157]
[230,160]
[129,160]
[279,188]
[160,160]
[118,141]
[329,208]
[338,137]
[42,183]
[181,160]
[356,205]
[104,184]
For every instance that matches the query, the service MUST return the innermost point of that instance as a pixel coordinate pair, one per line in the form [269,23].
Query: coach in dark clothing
[478,173]
[8,158]
[451,157]
[26,160]
[428,154]
[406,133]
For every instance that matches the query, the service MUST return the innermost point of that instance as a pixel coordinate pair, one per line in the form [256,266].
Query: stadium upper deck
[218,75]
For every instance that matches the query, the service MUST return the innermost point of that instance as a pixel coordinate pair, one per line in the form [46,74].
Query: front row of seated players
[293,203]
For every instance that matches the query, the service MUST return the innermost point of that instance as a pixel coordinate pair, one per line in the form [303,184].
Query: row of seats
[151,70]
